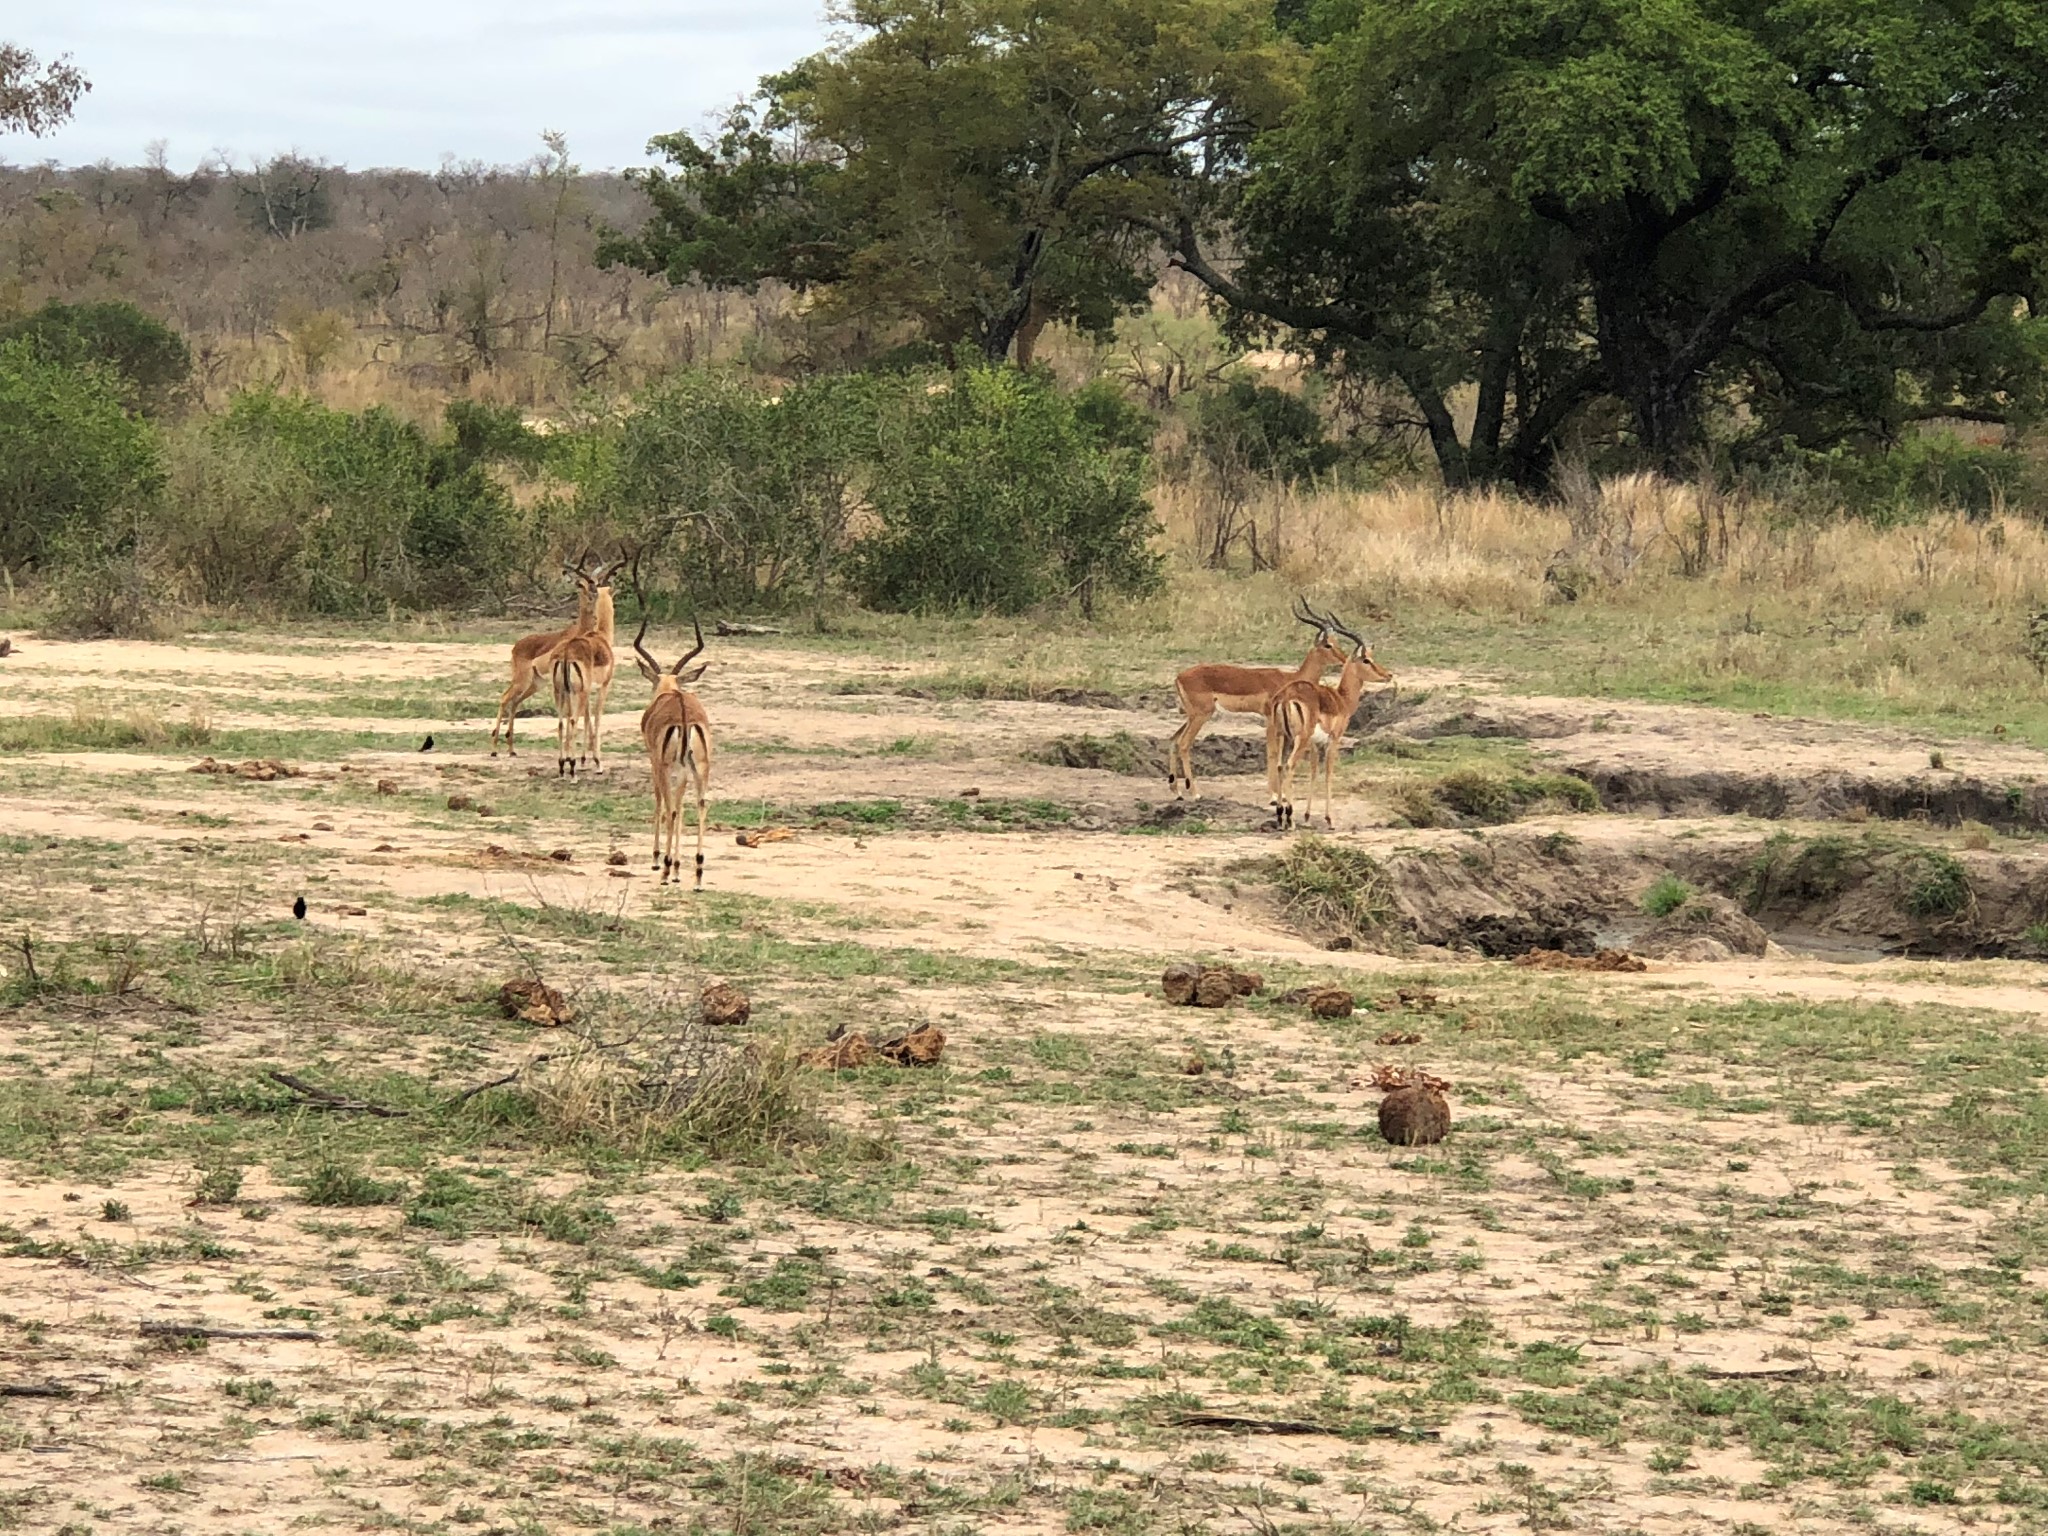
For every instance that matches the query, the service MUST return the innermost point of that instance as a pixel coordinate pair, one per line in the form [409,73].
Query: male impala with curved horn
[677,735]
[581,670]
[1217,686]
[529,655]
[1305,714]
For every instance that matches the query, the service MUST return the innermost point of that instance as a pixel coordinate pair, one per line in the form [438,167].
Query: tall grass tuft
[1335,891]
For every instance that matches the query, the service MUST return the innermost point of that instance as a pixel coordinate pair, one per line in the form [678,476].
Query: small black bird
[427,745]
[299,909]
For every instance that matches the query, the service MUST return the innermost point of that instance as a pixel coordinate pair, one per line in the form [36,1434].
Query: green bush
[1924,472]
[1667,893]
[72,460]
[379,513]
[148,360]
[1247,425]
[998,495]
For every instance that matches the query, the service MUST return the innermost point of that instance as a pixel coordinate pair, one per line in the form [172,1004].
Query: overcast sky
[399,82]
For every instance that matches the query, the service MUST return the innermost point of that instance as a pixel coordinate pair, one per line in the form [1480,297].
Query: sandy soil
[132,841]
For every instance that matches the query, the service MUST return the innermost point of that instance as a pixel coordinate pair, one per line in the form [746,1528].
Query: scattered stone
[1415,1116]
[1600,960]
[841,1055]
[1703,916]
[534,1001]
[352,911]
[970,793]
[459,802]
[487,810]
[387,786]
[617,858]
[1179,982]
[1207,986]
[262,770]
[1331,1003]
[754,837]
[563,856]
[723,1004]
[387,848]
[1398,1037]
[1416,999]
[323,826]
[920,1047]
[1192,1065]
[620,874]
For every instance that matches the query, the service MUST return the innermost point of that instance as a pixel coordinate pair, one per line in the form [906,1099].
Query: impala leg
[1273,751]
[1330,782]
[1182,746]
[701,777]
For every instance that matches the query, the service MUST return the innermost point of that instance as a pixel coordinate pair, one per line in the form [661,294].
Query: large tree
[36,98]
[969,168]
[1821,215]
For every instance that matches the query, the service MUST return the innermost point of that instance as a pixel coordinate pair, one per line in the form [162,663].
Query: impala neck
[601,619]
[1350,684]
[584,607]
[1312,665]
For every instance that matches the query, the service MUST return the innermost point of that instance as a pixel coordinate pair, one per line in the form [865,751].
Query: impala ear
[692,676]
[647,668]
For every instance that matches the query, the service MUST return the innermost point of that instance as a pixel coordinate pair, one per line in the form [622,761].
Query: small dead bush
[733,1102]
[1119,752]
[1335,891]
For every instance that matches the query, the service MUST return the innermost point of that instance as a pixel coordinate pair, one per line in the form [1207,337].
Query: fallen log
[195,1330]
[321,1098]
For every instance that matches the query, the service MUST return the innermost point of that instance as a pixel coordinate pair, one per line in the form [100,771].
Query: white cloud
[387,82]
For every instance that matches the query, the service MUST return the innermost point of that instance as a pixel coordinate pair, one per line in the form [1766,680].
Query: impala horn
[641,598]
[678,667]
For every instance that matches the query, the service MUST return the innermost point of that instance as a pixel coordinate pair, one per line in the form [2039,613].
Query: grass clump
[734,1103]
[1666,895]
[92,729]
[1119,752]
[1476,796]
[1933,883]
[1335,890]
[338,1184]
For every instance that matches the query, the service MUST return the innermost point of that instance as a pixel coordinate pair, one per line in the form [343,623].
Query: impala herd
[1303,715]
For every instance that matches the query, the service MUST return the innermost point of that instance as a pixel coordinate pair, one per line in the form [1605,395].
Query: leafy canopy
[1744,219]
[967,169]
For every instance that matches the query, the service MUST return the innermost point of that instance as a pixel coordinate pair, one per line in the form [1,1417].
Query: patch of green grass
[1933,883]
[338,1184]
[1119,752]
[90,729]
[1667,893]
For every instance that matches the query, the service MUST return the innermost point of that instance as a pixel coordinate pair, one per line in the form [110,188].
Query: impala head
[1360,659]
[579,572]
[1325,653]
[668,679]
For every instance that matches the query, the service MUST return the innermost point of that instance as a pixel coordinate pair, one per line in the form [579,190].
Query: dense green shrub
[1937,471]
[149,360]
[72,460]
[1254,427]
[396,516]
[738,494]
[997,494]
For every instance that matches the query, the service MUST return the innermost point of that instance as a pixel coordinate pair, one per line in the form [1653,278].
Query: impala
[1217,686]
[529,652]
[677,735]
[581,668]
[1305,714]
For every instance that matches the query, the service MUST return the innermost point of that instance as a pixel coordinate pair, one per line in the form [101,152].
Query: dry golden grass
[1641,587]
